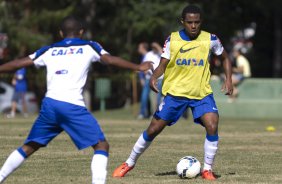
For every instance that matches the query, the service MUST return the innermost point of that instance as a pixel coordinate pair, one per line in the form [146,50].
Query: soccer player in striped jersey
[63,109]
[185,66]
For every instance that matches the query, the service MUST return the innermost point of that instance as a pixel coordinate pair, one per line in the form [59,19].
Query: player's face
[192,24]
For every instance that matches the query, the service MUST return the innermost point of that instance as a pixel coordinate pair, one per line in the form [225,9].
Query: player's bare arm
[227,87]
[117,61]
[16,64]
[157,73]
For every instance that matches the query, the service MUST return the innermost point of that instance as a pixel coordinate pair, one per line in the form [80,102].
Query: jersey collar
[183,35]
[71,39]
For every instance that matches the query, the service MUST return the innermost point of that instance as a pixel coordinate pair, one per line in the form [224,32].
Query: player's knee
[156,127]
[153,131]
[102,145]
[211,128]
[31,147]
[107,146]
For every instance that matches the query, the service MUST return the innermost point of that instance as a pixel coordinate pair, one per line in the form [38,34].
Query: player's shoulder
[213,36]
[168,38]
[95,44]
[41,51]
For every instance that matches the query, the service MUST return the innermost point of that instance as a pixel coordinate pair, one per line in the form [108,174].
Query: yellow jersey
[188,71]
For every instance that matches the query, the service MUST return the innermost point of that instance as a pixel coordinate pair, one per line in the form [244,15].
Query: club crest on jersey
[190,62]
[61,72]
[67,51]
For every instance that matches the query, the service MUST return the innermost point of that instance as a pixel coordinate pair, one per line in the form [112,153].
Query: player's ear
[81,32]
[61,33]
[181,20]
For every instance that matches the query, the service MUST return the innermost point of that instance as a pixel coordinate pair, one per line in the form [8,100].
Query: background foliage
[119,25]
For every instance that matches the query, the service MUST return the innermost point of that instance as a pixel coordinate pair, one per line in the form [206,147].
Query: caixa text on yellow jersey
[190,62]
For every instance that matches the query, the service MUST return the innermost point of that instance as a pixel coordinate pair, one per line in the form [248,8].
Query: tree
[31,24]
[225,17]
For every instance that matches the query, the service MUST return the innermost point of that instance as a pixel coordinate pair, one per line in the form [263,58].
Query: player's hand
[145,66]
[153,84]
[227,87]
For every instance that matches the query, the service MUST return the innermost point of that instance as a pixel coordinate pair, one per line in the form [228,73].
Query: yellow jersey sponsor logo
[190,62]
[186,50]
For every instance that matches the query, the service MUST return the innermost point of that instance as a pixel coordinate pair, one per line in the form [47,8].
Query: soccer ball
[188,167]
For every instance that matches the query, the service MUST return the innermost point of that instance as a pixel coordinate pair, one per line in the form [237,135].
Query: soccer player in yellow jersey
[185,66]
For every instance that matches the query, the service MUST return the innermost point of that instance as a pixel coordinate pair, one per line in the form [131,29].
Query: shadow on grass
[169,173]
[166,173]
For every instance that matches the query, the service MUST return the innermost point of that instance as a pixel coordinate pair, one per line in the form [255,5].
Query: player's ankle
[207,167]
[130,164]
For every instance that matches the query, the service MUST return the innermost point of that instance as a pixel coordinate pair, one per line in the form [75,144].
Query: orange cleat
[122,170]
[208,175]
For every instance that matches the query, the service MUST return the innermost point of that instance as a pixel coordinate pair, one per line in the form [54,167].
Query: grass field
[247,153]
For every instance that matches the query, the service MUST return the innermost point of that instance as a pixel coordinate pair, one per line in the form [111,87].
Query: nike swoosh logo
[186,50]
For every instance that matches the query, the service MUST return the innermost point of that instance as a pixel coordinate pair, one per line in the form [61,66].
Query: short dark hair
[191,9]
[71,25]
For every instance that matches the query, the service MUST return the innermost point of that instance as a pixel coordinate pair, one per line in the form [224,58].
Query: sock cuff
[146,137]
[212,138]
[101,152]
[21,151]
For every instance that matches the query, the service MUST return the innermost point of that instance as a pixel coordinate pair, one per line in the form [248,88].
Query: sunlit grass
[247,152]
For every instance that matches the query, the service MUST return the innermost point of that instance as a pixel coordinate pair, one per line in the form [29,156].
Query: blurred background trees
[119,25]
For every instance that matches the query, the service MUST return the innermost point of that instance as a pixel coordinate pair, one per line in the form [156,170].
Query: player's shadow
[169,173]
[166,173]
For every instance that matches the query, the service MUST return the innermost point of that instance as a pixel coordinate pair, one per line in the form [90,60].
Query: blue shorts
[18,96]
[57,116]
[239,77]
[172,108]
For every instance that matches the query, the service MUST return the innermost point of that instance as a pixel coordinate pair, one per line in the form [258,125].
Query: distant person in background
[20,88]
[143,49]
[155,98]
[152,56]
[241,71]
[216,68]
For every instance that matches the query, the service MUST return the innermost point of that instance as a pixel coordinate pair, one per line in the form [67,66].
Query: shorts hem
[38,142]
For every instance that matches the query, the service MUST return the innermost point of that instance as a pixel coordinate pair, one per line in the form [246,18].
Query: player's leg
[99,162]
[236,79]
[142,143]
[210,121]
[24,105]
[167,114]
[13,109]
[205,112]
[145,139]
[15,100]
[144,112]
[42,132]
[17,158]
[85,131]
